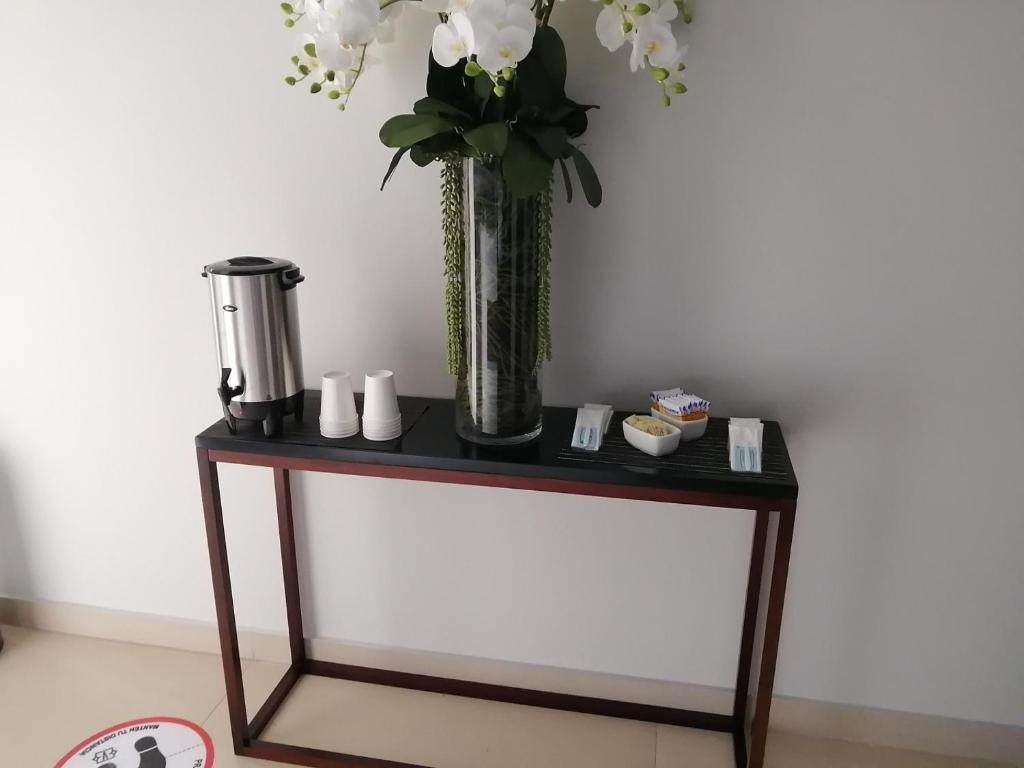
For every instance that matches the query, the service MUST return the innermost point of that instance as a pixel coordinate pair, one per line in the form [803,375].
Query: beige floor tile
[791,751]
[429,729]
[259,680]
[686,748]
[690,748]
[56,690]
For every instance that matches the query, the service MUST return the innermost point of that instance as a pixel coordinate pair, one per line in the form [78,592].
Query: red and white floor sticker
[152,742]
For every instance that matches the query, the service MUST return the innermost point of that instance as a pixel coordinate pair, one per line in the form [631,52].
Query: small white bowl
[691,429]
[652,445]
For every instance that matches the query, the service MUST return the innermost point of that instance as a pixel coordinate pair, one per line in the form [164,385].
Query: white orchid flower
[506,47]
[358,21]
[311,8]
[519,15]
[664,11]
[355,21]
[504,31]
[312,63]
[499,32]
[609,28]
[331,53]
[388,17]
[324,14]
[453,40]
[654,42]
[446,7]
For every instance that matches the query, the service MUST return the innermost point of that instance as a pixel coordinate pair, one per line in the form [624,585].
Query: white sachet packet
[745,437]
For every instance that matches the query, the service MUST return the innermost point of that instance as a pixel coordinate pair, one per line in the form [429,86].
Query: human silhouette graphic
[150,755]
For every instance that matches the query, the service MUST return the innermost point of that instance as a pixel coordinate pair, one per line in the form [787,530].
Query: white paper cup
[375,433]
[382,425]
[337,429]
[380,401]
[337,402]
[375,425]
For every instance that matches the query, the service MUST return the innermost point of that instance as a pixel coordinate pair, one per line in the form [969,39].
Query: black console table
[429,451]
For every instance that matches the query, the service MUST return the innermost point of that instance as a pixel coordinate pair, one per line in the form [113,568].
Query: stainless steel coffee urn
[256,324]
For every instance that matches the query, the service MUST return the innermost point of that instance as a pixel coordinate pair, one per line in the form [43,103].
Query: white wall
[827,230]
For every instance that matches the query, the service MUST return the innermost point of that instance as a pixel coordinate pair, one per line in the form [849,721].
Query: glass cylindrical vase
[498,390]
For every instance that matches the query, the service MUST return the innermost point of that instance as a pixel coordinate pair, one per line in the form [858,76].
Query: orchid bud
[310,49]
[287,8]
[289,23]
[295,60]
[660,73]
[472,69]
[290,80]
[508,73]
[315,88]
[681,66]
[303,69]
[499,91]
[641,9]
[330,75]
[665,100]
[679,88]
[627,27]
[334,95]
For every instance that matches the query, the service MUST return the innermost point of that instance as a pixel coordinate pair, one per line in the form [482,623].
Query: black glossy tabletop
[429,442]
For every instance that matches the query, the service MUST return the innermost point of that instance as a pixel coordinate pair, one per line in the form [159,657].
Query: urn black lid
[248,265]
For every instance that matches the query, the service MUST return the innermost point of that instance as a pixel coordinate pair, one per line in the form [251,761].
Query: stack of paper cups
[381,418]
[338,416]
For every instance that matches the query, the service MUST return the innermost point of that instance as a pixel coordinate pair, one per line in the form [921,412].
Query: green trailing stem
[453,230]
[544,276]
[454,255]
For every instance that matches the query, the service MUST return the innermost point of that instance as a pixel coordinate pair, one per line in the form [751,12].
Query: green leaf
[526,169]
[450,85]
[310,49]
[569,106]
[421,156]
[406,130]
[483,88]
[394,164]
[571,116]
[443,144]
[428,105]
[551,50]
[489,138]
[565,178]
[553,140]
[535,86]
[588,178]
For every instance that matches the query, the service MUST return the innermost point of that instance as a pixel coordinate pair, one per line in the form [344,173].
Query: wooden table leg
[214,515]
[289,565]
[762,626]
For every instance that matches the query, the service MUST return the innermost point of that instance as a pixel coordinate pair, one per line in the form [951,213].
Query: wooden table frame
[759,642]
